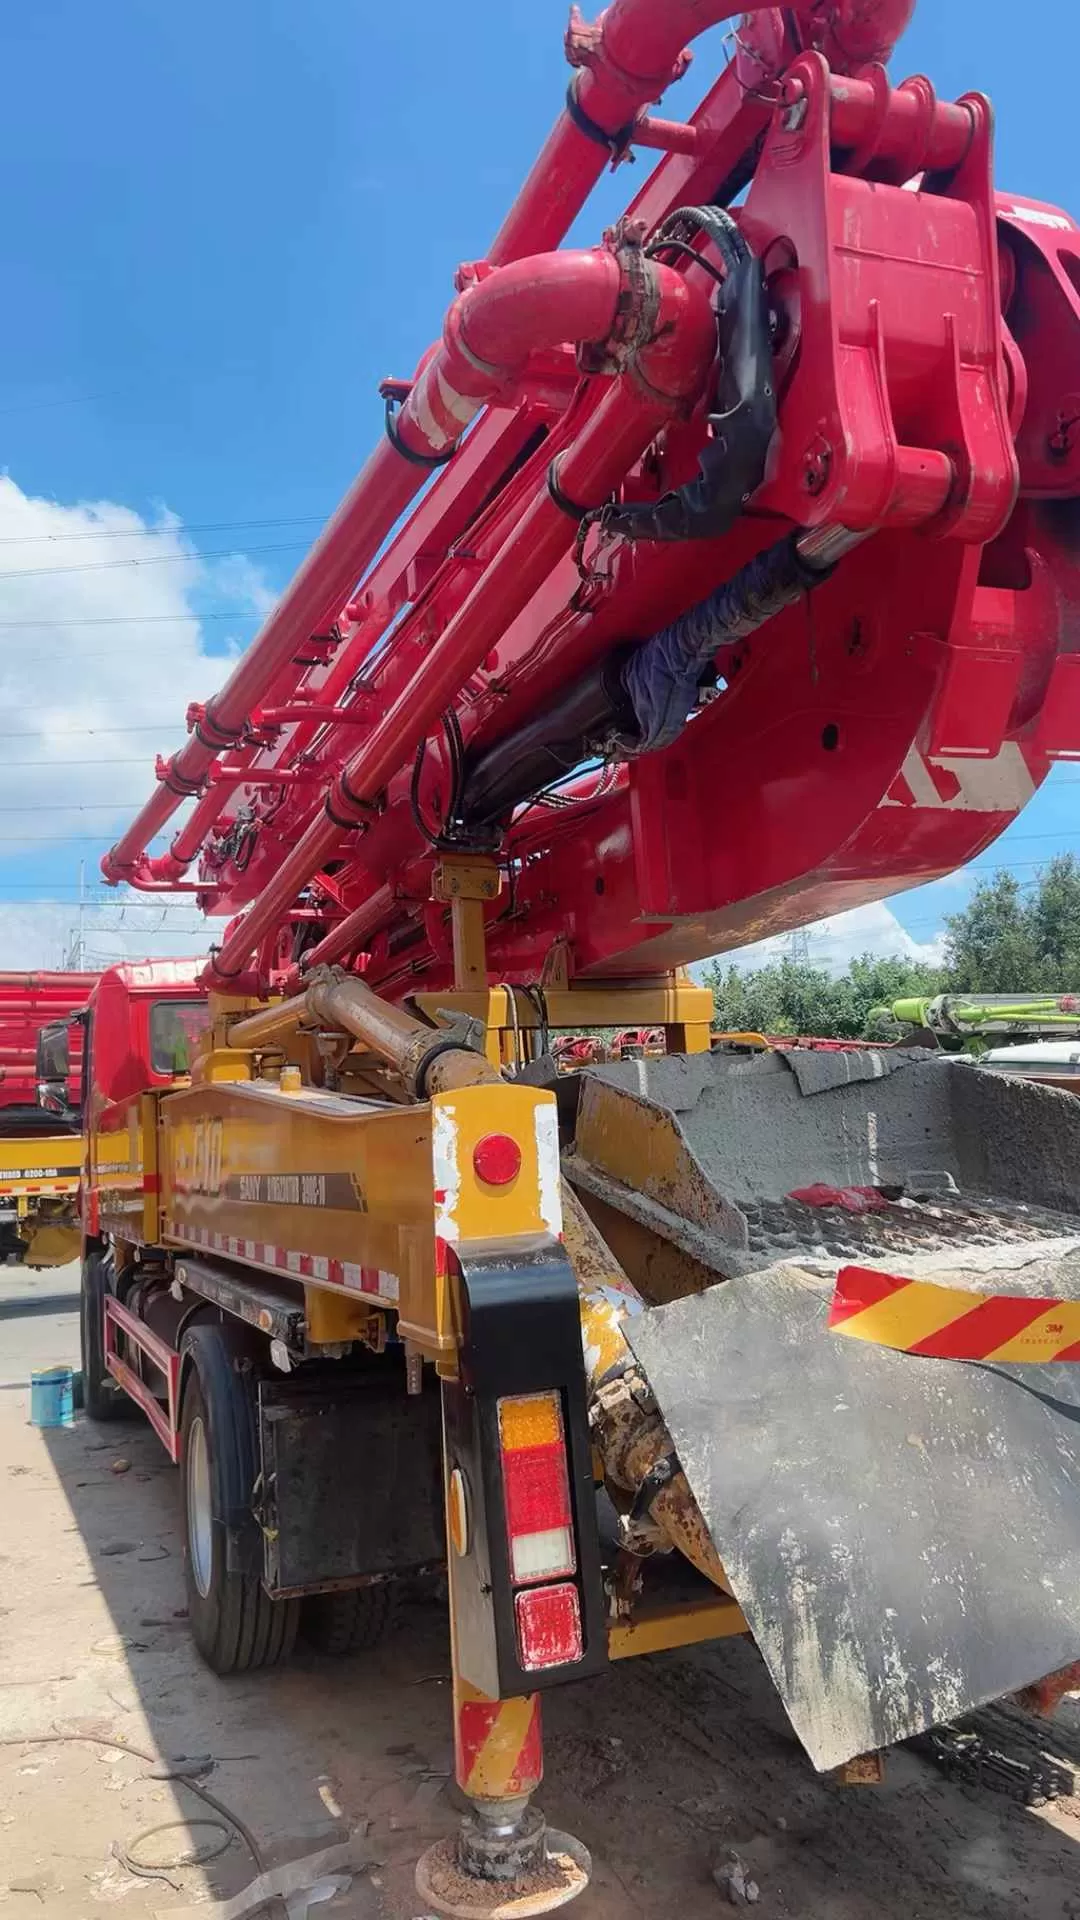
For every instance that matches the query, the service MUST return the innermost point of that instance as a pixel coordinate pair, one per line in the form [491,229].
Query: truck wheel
[349,1622]
[102,1398]
[234,1623]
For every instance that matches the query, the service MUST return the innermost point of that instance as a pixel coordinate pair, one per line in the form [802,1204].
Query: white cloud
[835,942]
[98,632]
[234,577]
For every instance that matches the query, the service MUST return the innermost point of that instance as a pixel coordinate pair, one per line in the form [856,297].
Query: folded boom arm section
[735,578]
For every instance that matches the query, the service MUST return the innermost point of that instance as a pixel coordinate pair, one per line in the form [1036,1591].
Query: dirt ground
[661,1767]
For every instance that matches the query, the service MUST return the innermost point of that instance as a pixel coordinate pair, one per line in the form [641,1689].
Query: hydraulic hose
[732,463]
[638,701]
[663,678]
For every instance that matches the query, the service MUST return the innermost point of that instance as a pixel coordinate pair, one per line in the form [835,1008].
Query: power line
[125,619]
[180,531]
[62,765]
[79,733]
[91,806]
[143,932]
[140,903]
[73,400]
[50,839]
[151,560]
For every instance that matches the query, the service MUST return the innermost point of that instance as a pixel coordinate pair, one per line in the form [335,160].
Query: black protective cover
[351,1481]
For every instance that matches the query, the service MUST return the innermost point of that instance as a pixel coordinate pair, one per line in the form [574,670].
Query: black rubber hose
[663,677]
[578,726]
[636,701]
[732,463]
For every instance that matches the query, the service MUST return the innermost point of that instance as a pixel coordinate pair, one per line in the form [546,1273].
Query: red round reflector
[496,1159]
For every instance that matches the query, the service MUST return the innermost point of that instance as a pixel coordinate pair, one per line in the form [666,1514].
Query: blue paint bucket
[52,1397]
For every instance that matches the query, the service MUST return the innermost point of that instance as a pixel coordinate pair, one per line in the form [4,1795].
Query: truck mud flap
[903,1534]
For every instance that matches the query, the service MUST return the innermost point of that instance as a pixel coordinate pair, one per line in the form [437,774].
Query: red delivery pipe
[672,367]
[166,869]
[62,986]
[354,931]
[626,60]
[368,625]
[490,330]
[315,595]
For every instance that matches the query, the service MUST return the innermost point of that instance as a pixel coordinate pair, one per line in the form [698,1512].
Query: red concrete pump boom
[738,576]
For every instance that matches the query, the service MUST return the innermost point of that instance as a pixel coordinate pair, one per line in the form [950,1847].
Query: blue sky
[222,226]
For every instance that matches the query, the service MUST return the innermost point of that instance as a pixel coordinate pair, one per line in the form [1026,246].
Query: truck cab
[142,1027]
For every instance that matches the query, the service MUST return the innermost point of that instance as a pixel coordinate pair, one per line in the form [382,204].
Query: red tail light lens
[497,1159]
[539,1523]
[548,1627]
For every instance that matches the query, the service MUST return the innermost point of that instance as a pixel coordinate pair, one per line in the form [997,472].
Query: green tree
[1055,922]
[989,945]
[999,943]
[1002,943]
[788,998]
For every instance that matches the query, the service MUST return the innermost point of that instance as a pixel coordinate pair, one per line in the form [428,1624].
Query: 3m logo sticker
[949,1323]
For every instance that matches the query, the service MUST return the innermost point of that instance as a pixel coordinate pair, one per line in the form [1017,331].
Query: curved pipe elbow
[549,300]
[860,31]
[544,300]
[636,49]
[164,869]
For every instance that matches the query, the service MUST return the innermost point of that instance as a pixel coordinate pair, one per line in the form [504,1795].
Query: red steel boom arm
[772,509]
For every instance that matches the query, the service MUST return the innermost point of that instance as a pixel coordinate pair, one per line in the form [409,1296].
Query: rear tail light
[497,1159]
[548,1627]
[536,1486]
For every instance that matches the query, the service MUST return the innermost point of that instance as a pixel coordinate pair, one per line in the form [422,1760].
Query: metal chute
[902,1534]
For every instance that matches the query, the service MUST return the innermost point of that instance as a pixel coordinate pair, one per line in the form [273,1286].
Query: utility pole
[77,948]
[799,947]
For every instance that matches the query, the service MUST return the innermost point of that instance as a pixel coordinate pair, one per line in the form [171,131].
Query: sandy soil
[660,1767]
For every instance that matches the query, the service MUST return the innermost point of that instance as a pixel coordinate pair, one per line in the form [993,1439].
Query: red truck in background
[40,1140]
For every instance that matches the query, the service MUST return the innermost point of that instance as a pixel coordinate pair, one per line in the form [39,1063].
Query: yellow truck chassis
[432,1314]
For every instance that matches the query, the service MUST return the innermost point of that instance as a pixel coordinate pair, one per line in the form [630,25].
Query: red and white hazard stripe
[39,1186]
[302,1266]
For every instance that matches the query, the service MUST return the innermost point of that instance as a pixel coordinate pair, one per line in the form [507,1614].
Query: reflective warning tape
[949,1323]
[303,1266]
[14,1184]
[499,1754]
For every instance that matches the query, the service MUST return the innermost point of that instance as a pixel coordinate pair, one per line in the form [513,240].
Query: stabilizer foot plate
[446,1890]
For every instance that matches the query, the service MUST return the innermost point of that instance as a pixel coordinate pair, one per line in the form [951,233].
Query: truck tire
[354,1621]
[235,1624]
[103,1400]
